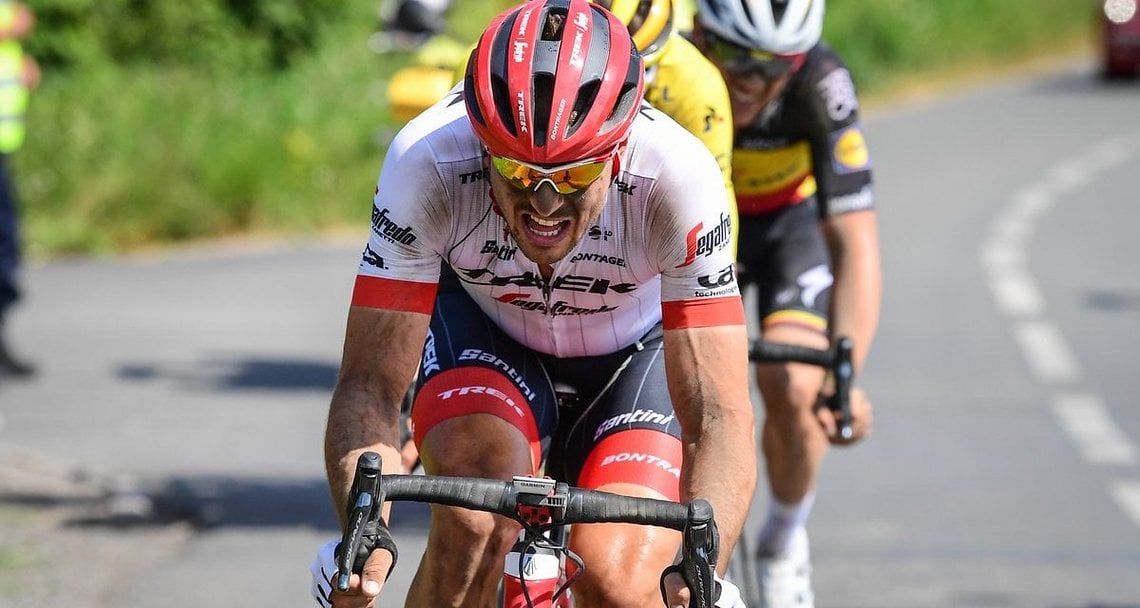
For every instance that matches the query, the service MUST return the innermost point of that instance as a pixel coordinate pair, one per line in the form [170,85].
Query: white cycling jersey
[660,249]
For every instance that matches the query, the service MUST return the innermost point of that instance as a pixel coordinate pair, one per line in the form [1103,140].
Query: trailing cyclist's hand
[323,570]
[678,593]
[861,418]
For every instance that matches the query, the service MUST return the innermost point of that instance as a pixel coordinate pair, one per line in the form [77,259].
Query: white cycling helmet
[784,27]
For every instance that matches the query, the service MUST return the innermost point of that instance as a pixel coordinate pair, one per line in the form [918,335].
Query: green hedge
[159,123]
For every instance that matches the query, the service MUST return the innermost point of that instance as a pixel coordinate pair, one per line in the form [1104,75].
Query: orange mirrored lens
[565,180]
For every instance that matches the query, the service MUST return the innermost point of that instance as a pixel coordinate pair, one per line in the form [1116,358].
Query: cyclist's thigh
[626,441]
[469,367]
[627,434]
[794,275]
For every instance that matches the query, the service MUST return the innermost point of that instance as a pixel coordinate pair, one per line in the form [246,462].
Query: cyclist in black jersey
[808,241]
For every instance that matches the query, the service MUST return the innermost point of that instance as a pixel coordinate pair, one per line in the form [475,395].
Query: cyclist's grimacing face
[547,225]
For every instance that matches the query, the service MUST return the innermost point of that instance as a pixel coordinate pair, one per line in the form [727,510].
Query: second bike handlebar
[837,360]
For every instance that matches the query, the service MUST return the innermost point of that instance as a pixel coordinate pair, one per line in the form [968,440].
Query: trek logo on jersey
[373,259]
[560,308]
[502,252]
[838,94]
[475,354]
[699,244]
[482,390]
[598,258]
[849,151]
[636,416]
[430,361]
[474,176]
[625,187]
[567,282]
[650,459]
[389,230]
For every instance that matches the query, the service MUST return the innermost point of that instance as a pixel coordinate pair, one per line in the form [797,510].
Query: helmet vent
[502,97]
[586,96]
[554,24]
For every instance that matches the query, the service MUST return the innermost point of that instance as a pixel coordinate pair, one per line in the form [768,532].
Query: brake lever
[698,558]
[364,503]
[844,372]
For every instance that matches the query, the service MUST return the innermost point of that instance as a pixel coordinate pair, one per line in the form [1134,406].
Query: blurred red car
[1121,37]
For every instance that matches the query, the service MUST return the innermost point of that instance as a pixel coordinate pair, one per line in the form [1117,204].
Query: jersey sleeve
[400,265]
[691,228]
[840,157]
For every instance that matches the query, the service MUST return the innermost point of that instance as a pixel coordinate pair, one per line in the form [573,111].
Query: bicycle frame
[539,505]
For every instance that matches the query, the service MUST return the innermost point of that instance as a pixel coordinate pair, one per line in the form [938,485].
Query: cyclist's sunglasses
[744,61]
[565,179]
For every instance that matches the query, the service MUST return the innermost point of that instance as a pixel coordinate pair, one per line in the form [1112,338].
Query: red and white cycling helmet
[553,82]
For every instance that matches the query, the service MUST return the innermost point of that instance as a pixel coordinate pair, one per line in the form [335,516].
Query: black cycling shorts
[785,255]
[613,393]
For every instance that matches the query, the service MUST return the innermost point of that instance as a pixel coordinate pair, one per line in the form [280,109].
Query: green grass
[124,157]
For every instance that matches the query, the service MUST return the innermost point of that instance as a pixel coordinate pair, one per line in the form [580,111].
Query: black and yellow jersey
[807,141]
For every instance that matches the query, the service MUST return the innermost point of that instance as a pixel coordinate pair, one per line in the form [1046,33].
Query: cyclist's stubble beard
[749,95]
[529,215]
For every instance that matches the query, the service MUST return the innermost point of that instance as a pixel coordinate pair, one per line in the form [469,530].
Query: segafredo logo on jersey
[561,308]
[475,354]
[634,417]
[700,244]
[638,457]
[389,230]
[482,390]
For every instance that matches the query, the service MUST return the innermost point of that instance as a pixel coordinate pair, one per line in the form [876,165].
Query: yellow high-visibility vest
[13,93]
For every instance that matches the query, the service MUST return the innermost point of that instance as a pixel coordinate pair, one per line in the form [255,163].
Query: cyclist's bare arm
[381,351]
[855,299]
[707,368]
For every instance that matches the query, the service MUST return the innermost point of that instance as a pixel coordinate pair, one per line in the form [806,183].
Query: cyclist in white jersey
[540,226]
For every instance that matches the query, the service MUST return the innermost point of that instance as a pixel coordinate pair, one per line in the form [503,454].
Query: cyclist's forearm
[708,382]
[856,295]
[356,424]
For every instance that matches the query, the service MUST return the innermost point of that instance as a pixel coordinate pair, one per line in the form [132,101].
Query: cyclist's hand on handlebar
[678,593]
[323,571]
[861,417]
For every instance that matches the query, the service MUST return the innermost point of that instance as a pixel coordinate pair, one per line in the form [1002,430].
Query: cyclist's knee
[789,390]
[476,445]
[624,564]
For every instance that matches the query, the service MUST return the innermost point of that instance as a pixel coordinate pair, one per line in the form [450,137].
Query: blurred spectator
[18,75]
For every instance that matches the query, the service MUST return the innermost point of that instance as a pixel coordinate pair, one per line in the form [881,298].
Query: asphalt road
[1003,471]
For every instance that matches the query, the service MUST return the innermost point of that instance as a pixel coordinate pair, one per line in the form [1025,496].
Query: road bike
[742,564]
[539,568]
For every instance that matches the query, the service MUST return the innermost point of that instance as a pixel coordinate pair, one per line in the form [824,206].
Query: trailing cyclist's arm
[707,369]
[856,294]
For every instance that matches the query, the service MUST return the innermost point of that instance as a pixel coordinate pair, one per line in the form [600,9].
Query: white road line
[1084,417]
[1047,352]
[1127,495]
[1088,423]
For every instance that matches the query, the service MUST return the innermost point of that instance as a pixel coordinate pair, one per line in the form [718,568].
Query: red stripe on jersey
[705,312]
[644,457]
[461,391]
[390,294]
